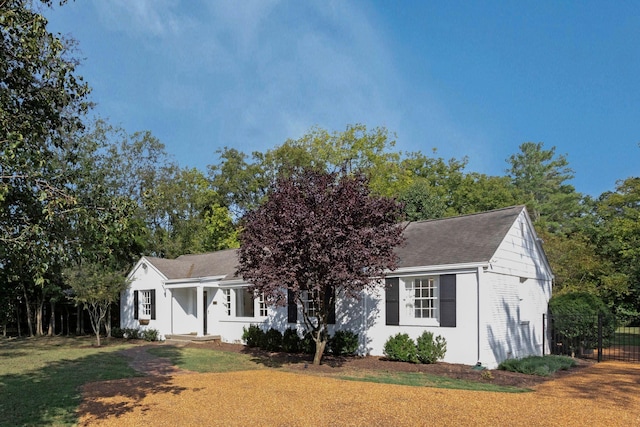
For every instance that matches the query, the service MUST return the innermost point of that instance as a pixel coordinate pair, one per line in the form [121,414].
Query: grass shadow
[42,380]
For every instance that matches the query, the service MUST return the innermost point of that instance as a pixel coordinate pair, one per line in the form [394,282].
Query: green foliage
[307,344]
[131,333]
[291,341]
[430,350]
[538,365]
[253,336]
[401,348]
[343,343]
[272,340]
[149,334]
[575,319]
[117,332]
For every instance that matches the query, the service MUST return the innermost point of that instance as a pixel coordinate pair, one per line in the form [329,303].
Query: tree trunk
[78,318]
[39,316]
[28,306]
[320,345]
[107,323]
[18,319]
[52,318]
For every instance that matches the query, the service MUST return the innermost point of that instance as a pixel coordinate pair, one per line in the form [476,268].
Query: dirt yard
[593,394]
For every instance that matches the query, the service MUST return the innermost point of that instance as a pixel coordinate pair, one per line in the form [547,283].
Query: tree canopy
[318,235]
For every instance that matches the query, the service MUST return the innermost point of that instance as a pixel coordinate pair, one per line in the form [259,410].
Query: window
[146,303]
[422,297]
[310,305]
[262,306]
[244,303]
[227,301]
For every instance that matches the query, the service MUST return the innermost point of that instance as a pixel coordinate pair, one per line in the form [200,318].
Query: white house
[482,281]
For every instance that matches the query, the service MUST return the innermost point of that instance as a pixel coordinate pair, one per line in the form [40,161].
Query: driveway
[603,394]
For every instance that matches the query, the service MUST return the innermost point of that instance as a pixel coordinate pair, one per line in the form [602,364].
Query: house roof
[458,240]
[220,263]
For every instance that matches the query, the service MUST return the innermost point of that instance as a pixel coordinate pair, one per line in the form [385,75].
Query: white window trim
[407,306]
[144,304]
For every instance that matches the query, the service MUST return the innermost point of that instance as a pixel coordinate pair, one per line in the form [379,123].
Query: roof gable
[457,240]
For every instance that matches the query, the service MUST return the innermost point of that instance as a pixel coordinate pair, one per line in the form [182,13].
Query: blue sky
[472,79]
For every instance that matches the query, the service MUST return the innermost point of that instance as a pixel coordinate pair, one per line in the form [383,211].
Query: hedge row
[342,343]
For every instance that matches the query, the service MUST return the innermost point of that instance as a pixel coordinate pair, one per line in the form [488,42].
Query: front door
[204,326]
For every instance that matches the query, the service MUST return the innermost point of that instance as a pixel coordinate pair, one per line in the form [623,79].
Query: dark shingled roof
[221,263]
[458,240]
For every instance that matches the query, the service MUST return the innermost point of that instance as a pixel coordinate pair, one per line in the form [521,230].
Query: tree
[617,238]
[95,288]
[542,177]
[42,103]
[317,236]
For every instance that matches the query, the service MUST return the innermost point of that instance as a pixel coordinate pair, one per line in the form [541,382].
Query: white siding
[514,294]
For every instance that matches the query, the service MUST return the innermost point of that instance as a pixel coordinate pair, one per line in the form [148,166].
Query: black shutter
[292,307]
[153,304]
[392,300]
[331,315]
[135,304]
[448,300]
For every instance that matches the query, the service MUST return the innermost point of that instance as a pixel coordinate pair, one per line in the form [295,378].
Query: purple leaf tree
[317,236]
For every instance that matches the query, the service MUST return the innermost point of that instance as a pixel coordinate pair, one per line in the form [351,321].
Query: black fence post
[599,337]
[544,331]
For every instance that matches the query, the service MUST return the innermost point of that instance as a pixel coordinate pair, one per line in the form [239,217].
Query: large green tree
[542,177]
[42,102]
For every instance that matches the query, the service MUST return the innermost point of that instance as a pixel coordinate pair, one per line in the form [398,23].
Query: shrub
[271,340]
[575,320]
[150,334]
[130,333]
[344,343]
[538,365]
[307,344]
[291,341]
[253,336]
[401,348]
[430,350]
[117,332]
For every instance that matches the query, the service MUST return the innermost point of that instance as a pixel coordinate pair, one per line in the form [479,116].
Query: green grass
[205,360]
[418,379]
[40,378]
[627,336]
[538,365]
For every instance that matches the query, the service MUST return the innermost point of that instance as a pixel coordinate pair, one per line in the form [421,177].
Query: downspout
[478,313]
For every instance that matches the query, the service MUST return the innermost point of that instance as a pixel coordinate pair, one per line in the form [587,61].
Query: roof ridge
[467,215]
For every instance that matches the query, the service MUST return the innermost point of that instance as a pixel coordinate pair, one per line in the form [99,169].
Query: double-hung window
[244,303]
[227,301]
[262,306]
[310,304]
[421,297]
[145,304]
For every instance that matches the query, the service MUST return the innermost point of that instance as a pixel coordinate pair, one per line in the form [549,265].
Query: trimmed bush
[307,344]
[291,341]
[253,336]
[430,350]
[130,333]
[401,348]
[272,340]
[149,334]
[117,332]
[343,343]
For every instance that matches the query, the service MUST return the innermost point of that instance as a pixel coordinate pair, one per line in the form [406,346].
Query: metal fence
[598,337]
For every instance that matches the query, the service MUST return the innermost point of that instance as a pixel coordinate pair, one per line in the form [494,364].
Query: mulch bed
[336,365]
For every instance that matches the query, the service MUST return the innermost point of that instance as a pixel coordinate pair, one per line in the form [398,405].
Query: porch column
[200,310]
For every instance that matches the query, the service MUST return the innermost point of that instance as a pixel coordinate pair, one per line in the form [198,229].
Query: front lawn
[40,378]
